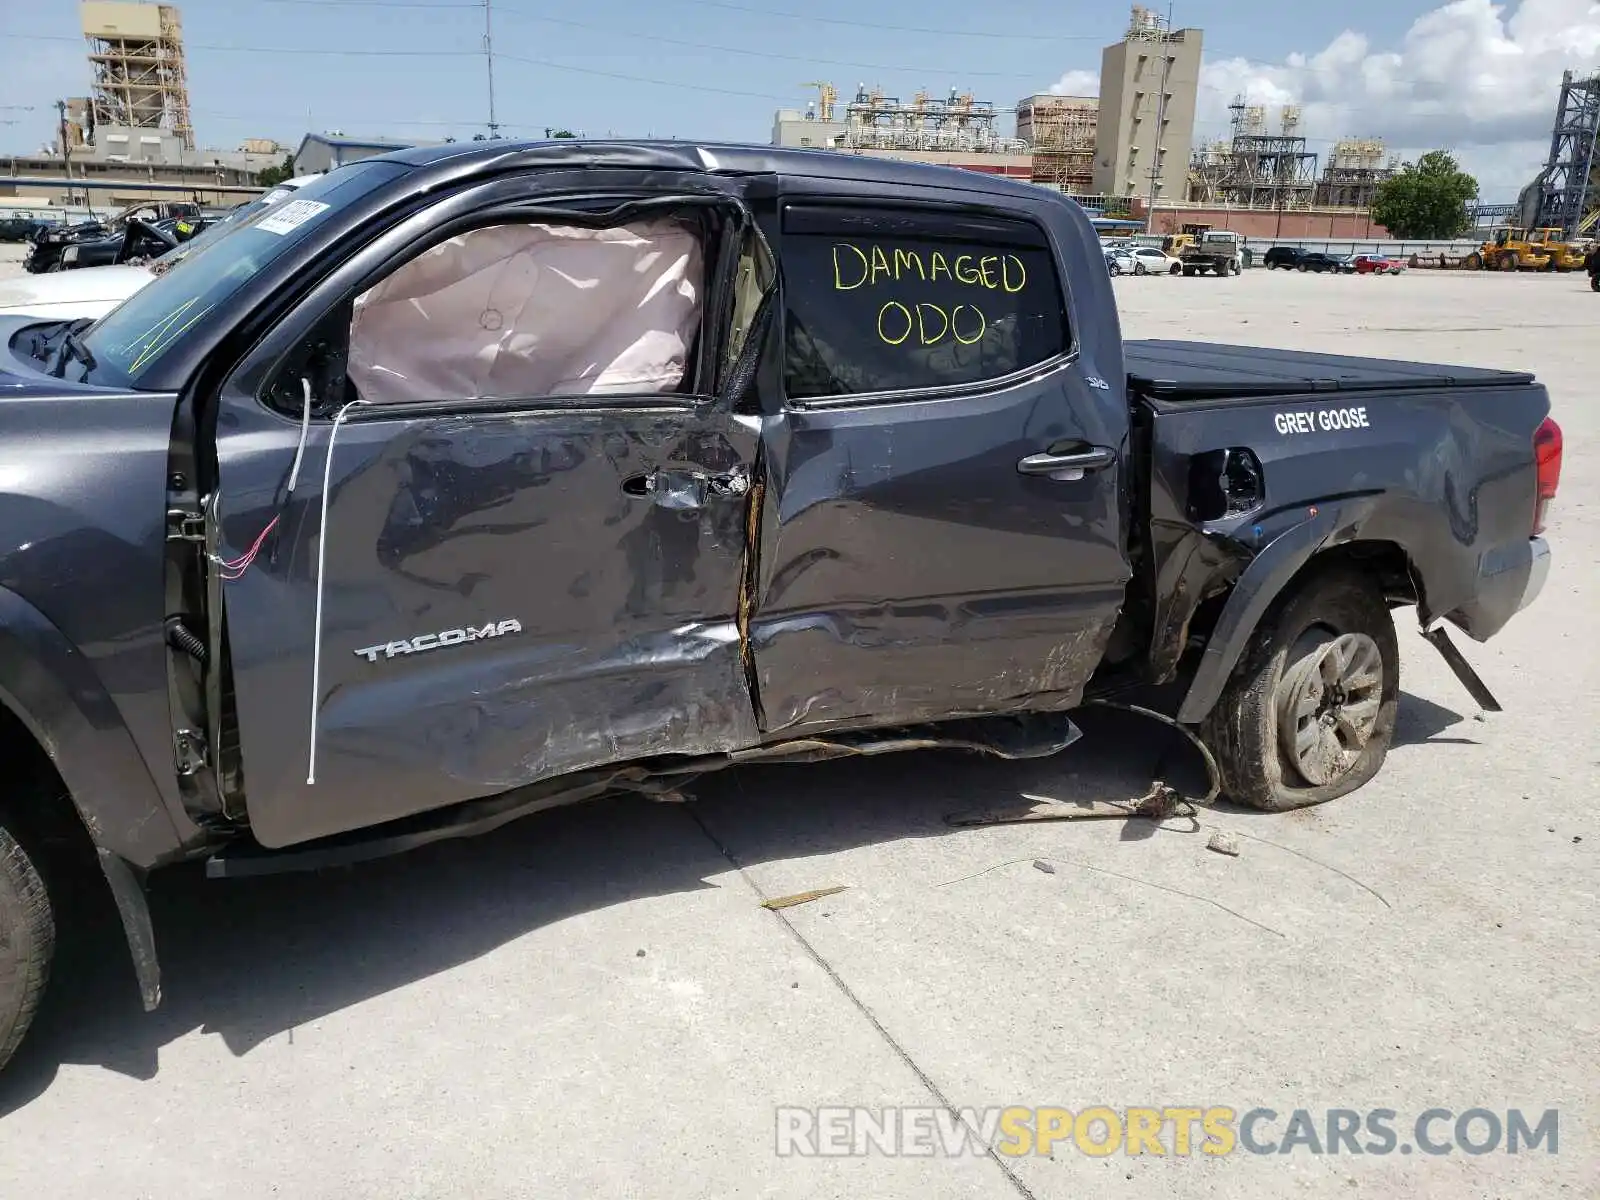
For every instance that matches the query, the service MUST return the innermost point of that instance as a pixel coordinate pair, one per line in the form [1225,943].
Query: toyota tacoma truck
[476,479]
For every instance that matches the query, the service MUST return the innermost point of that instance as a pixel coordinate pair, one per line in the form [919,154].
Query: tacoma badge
[434,641]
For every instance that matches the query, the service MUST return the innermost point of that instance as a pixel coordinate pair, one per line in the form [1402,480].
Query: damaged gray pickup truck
[481,478]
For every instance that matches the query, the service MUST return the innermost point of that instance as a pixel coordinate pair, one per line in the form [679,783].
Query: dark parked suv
[1296,259]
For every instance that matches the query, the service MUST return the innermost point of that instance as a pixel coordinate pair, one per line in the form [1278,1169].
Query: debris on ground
[1039,864]
[1159,803]
[1224,842]
[800,898]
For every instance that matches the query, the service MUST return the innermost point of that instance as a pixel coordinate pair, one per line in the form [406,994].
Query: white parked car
[1155,261]
[95,291]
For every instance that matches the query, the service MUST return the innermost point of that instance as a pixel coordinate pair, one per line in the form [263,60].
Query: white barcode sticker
[291,216]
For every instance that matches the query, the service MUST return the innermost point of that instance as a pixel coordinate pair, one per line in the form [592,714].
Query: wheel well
[1385,561]
[37,807]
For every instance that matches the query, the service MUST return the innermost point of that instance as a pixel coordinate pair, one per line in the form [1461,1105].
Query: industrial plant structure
[1354,172]
[1149,86]
[957,129]
[131,137]
[1061,131]
[1566,194]
[1255,168]
[140,85]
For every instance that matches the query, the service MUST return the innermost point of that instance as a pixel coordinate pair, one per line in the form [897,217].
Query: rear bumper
[1508,582]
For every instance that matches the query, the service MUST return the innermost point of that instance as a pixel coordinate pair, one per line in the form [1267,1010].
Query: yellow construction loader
[1564,255]
[1511,249]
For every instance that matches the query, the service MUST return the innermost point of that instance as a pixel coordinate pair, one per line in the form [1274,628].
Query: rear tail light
[1547,462]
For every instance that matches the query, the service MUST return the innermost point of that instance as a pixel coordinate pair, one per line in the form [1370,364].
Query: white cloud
[1077,83]
[1477,78]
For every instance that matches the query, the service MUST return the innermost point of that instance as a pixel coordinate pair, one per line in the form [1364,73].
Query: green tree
[1427,199]
[271,175]
[558,133]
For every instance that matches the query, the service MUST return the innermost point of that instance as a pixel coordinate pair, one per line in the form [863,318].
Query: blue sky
[718,68]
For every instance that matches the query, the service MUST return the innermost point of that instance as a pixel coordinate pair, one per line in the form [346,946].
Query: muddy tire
[27,943]
[1309,712]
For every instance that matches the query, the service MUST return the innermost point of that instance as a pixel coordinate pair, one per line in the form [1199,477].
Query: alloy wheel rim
[1328,708]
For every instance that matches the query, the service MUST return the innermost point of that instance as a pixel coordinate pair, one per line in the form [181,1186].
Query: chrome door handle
[1068,466]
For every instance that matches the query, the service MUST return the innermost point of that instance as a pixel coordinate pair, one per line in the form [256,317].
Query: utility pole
[1161,121]
[66,146]
[488,55]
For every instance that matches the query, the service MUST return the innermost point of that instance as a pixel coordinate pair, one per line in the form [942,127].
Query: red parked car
[1378,264]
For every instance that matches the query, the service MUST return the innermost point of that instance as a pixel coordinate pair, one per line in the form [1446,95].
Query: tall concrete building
[1149,83]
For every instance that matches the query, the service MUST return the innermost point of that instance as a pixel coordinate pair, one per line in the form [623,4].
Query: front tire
[1309,713]
[27,942]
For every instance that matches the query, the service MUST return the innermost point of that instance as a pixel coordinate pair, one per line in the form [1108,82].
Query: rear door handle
[687,489]
[1068,466]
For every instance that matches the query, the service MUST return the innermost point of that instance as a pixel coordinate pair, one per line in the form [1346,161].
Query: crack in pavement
[860,1005]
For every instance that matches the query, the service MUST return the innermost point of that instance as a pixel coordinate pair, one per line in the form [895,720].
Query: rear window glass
[891,302]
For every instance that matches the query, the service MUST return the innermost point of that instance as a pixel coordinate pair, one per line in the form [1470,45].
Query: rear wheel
[1511,262]
[1309,713]
[1474,262]
[27,942]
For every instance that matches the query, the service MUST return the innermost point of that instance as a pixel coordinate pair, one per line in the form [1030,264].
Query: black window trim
[1068,356]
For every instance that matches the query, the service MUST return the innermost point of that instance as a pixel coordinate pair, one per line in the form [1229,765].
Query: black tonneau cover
[1206,371]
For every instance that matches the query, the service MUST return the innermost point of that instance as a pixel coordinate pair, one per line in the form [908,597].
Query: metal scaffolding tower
[1061,130]
[1256,169]
[140,81]
[1569,185]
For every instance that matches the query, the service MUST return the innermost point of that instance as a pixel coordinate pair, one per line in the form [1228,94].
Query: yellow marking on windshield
[156,332]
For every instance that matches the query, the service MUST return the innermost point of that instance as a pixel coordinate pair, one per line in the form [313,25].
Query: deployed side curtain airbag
[523,311]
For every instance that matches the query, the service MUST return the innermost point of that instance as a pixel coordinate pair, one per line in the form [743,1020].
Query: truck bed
[1178,371]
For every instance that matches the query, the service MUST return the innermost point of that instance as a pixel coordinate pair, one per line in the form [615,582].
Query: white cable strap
[322,558]
[305,429]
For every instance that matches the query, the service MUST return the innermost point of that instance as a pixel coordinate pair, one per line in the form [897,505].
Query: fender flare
[1258,586]
[54,691]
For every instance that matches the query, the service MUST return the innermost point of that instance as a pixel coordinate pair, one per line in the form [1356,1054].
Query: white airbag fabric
[525,311]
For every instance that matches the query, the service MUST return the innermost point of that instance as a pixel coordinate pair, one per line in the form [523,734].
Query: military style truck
[480,478]
[1220,251]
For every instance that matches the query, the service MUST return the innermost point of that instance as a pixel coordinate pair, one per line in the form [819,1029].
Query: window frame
[498,202]
[922,209]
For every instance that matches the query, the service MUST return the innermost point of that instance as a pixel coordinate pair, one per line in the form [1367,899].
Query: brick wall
[1287,226]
